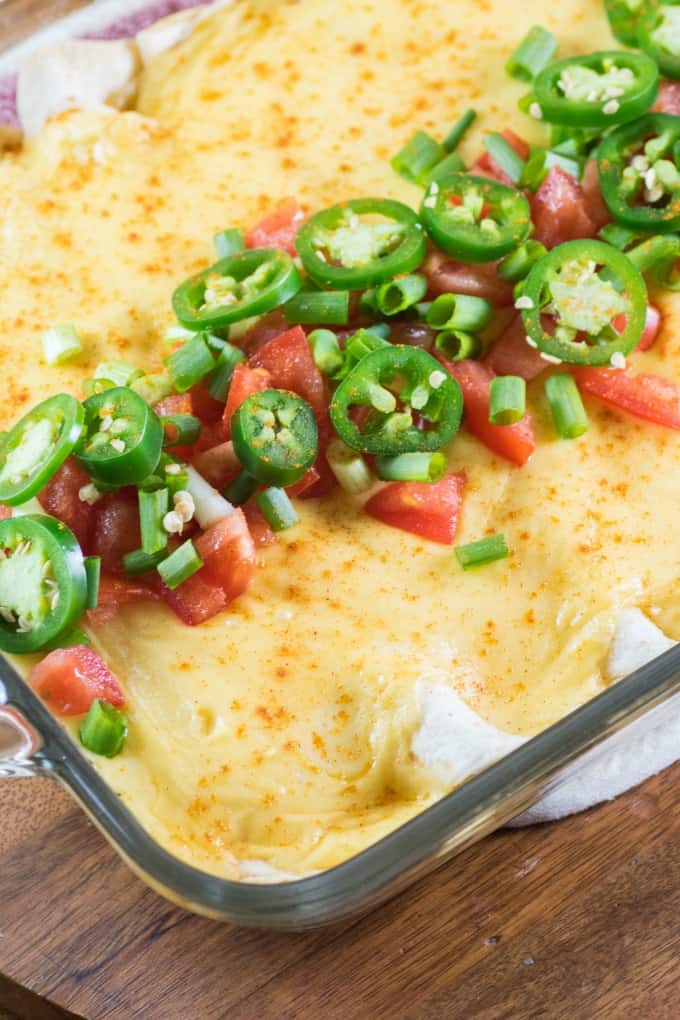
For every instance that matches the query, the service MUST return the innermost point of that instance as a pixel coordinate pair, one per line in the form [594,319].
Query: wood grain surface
[570,921]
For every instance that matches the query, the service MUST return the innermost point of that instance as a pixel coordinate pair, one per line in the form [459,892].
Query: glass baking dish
[33,743]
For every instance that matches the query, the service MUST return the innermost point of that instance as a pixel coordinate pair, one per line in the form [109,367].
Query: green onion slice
[485,550]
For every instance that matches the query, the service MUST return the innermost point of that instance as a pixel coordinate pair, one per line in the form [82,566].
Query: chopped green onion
[180,429]
[459,311]
[320,307]
[68,639]
[277,509]
[500,150]
[190,363]
[419,155]
[398,295]
[507,399]
[241,489]
[367,305]
[411,467]
[356,346]
[485,550]
[93,569]
[658,254]
[153,506]
[380,329]
[180,565]
[539,164]
[457,344]
[104,729]
[175,333]
[459,130]
[227,360]
[325,350]
[516,265]
[92,386]
[618,236]
[568,413]
[139,562]
[533,54]
[152,388]
[451,164]
[349,468]
[61,343]
[121,373]
[422,308]
[228,242]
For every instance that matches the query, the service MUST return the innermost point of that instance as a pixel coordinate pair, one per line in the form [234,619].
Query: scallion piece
[421,309]
[500,150]
[656,253]
[190,363]
[104,729]
[533,54]
[366,305]
[153,506]
[120,373]
[400,294]
[568,413]
[241,489]
[515,266]
[349,467]
[318,307]
[92,386]
[180,429]
[459,130]
[228,242]
[153,387]
[139,562]
[419,155]
[93,569]
[277,509]
[180,565]
[459,311]
[61,343]
[227,360]
[73,636]
[478,554]
[326,350]
[411,467]
[618,236]
[539,164]
[451,164]
[507,399]
[456,344]
[380,329]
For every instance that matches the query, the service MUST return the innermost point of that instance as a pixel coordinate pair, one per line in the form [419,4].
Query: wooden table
[575,920]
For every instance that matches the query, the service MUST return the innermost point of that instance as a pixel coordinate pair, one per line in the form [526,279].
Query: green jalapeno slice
[658,34]
[275,437]
[36,447]
[123,438]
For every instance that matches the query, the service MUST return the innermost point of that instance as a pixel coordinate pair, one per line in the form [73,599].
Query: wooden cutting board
[570,921]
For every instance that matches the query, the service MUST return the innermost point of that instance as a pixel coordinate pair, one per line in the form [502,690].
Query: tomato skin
[219,465]
[486,166]
[448,276]
[310,478]
[176,403]
[260,531]
[512,355]
[647,396]
[5,512]
[228,552]
[668,99]
[245,380]
[592,193]
[289,360]
[204,406]
[278,228]
[196,600]
[558,210]
[116,529]
[651,329]
[265,329]
[514,442]
[60,499]
[115,592]
[431,510]
[69,680]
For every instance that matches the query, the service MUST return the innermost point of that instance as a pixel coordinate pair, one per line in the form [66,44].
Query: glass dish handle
[19,742]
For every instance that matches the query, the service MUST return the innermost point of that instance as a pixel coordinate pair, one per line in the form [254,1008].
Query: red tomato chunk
[558,210]
[647,396]
[278,229]
[431,510]
[228,553]
[70,679]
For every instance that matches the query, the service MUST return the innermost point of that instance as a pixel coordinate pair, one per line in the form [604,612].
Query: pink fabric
[122,28]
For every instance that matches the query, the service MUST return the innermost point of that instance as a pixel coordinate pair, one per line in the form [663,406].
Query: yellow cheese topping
[281,730]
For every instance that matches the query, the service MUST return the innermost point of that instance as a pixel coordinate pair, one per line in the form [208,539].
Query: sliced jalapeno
[33,450]
[640,173]
[658,34]
[275,436]
[576,292]
[413,403]
[43,583]
[623,20]
[475,219]
[245,284]
[361,243]
[123,438]
[595,90]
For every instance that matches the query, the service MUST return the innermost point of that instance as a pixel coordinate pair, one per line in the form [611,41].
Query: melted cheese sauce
[281,731]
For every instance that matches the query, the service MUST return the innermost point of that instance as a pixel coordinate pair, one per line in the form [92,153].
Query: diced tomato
[431,510]
[69,680]
[278,229]
[558,210]
[486,165]
[60,499]
[592,193]
[261,533]
[512,355]
[288,359]
[228,552]
[5,512]
[204,406]
[219,465]
[196,600]
[649,333]
[647,396]
[448,276]
[263,330]
[116,529]
[115,592]
[309,479]
[668,99]
[514,442]
[176,403]
[245,380]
